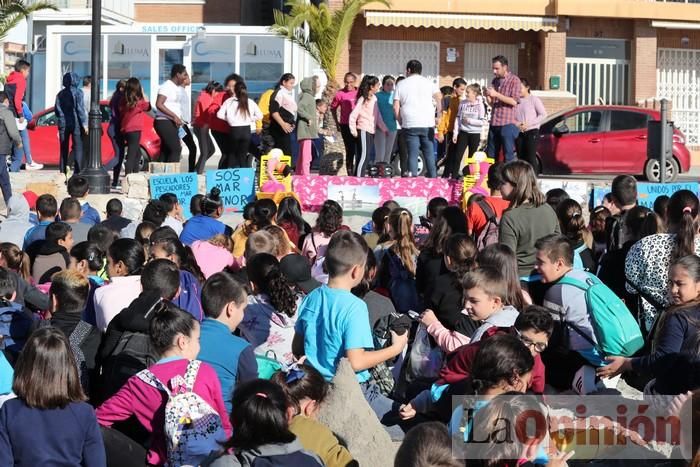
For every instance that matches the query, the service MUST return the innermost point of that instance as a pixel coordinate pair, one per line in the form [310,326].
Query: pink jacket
[366,117]
[211,258]
[447,340]
[147,403]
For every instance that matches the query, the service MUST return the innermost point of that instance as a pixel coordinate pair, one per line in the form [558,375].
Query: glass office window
[128,56]
[262,62]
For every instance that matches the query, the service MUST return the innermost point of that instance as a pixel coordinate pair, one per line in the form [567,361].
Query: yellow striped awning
[450,20]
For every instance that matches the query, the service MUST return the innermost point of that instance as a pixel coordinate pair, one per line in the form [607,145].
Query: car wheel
[652,171]
[144,160]
[538,166]
[396,164]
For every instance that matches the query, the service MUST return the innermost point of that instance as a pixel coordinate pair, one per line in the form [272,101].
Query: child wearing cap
[297,270]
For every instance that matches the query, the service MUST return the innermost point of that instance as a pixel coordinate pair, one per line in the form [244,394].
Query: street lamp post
[95,173]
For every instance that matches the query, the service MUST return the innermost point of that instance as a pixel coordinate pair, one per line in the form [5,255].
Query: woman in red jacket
[219,128]
[201,122]
[132,108]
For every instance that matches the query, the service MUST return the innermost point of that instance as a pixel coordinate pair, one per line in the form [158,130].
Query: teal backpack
[615,328]
[578,261]
[267,366]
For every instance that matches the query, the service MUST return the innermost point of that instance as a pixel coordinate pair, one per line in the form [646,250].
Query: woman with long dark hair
[201,122]
[241,113]
[647,263]
[364,119]
[283,113]
[220,128]
[290,219]
[115,132]
[132,108]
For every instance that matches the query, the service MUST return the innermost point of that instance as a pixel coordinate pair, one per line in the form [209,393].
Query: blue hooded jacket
[70,110]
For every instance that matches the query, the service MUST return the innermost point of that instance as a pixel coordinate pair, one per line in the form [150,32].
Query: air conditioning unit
[39,44]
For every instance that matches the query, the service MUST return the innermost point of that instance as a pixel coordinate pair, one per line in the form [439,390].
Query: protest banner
[237,187]
[184,186]
[647,193]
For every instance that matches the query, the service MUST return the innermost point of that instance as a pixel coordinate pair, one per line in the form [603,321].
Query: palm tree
[321,31]
[12,12]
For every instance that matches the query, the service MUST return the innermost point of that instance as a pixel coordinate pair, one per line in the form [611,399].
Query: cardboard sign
[647,193]
[184,186]
[237,187]
[264,175]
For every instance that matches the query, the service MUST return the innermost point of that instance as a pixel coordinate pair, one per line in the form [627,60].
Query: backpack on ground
[193,429]
[489,234]
[615,329]
[402,285]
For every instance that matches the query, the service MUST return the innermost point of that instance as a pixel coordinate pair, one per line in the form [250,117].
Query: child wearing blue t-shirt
[333,323]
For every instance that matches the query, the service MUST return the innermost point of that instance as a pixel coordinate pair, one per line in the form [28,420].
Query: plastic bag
[425,359]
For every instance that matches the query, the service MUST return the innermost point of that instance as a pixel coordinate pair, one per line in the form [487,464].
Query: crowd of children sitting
[168,341]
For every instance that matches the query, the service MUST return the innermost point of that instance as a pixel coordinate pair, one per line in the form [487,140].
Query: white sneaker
[34,166]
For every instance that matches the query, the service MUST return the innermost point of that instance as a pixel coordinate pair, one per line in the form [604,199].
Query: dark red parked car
[605,140]
[43,136]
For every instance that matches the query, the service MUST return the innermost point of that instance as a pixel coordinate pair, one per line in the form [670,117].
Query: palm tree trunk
[333,159]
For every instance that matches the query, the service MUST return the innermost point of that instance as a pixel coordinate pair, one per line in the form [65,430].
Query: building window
[262,62]
[212,58]
[390,57]
[477,61]
[128,56]
[75,55]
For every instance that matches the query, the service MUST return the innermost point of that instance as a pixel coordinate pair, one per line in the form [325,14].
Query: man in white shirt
[169,114]
[417,101]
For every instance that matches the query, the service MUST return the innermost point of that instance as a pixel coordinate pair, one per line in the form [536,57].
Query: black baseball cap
[297,270]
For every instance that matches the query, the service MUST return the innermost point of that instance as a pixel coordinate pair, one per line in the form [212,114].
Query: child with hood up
[72,120]
[307,123]
[15,227]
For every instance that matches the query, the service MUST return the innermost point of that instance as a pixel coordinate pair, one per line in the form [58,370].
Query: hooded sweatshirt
[69,104]
[15,87]
[267,455]
[50,259]
[136,318]
[470,116]
[9,134]
[503,318]
[15,227]
[307,123]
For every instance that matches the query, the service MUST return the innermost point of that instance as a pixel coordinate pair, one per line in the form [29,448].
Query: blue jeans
[5,179]
[420,139]
[318,147]
[17,153]
[386,409]
[502,136]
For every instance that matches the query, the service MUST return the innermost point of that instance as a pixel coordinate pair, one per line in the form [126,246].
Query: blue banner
[237,187]
[648,192]
[184,186]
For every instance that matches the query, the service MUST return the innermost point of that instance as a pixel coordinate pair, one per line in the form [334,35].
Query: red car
[605,140]
[46,148]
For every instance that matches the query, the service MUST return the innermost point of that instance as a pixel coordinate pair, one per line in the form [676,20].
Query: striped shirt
[503,114]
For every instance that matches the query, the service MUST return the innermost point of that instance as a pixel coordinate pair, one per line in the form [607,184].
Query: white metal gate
[596,79]
[678,79]
[477,61]
[390,57]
